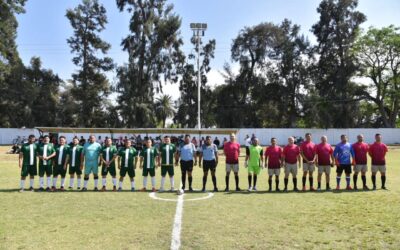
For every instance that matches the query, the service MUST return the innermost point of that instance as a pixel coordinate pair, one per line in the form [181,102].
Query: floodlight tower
[198,32]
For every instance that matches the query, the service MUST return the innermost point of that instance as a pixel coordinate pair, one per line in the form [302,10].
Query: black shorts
[247,151]
[186,166]
[209,165]
[343,167]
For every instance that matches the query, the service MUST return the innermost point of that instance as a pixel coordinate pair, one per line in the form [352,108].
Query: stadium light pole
[198,32]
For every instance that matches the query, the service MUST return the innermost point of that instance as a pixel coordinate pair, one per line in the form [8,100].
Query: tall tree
[336,32]
[11,67]
[378,52]
[91,86]
[154,52]
[164,108]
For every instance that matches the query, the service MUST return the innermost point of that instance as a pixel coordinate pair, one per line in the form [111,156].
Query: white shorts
[308,167]
[380,168]
[360,168]
[291,169]
[274,171]
[232,167]
[324,169]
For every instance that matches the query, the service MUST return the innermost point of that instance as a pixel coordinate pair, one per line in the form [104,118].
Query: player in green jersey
[46,152]
[27,162]
[254,162]
[107,157]
[74,162]
[148,157]
[127,164]
[60,163]
[166,162]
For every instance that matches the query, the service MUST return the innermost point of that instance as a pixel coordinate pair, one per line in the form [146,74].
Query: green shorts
[110,169]
[130,170]
[75,170]
[28,170]
[48,169]
[59,170]
[254,169]
[91,169]
[151,171]
[167,169]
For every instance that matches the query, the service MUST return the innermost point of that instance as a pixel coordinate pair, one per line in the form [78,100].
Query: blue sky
[43,29]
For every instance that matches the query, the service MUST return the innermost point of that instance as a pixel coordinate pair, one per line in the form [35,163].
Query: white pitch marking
[176,229]
[153,196]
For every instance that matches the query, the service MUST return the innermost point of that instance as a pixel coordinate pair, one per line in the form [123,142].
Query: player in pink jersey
[273,155]
[232,152]
[325,161]
[360,161]
[308,153]
[378,151]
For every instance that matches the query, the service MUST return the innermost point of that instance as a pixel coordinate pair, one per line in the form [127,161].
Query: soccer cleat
[161,190]
[190,189]
[172,189]
[79,188]
[31,189]
[237,190]
[285,190]
[41,189]
[84,189]
[296,189]
[143,189]
[215,189]
[103,189]
[153,189]
[249,189]
[384,188]
[319,189]
[349,188]
[365,188]
[270,190]
[53,189]
[21,190]
[304,189]
[119,189]
[328,188]
[95,189]
[355,188]
[70,187]
[312,189]
[114,188]
[203,190]
[62,189]
[277,190]
[132,189]
[226,190]
[48,189]
[254,188]
[337,187]
[374,188]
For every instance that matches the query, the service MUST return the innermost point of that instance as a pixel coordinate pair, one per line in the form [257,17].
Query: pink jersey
[291,152]
[274,154]
[360,152]
[324,152]
[309,150]
[231,150]
[378,152]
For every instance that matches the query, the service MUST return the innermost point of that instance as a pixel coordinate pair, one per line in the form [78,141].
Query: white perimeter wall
[390,136]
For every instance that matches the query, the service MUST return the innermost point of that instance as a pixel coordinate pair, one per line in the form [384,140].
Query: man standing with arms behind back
[232,152]
[360,159]
[308,153]
[343,153]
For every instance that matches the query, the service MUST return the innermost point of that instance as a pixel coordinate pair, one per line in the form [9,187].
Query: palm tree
[164,108]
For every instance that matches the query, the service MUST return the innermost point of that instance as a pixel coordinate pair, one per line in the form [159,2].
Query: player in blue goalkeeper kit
[343,154]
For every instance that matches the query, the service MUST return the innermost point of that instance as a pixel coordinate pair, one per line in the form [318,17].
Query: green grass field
[126,220]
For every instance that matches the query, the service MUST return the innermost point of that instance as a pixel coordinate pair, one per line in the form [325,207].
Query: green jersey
[46,150]
[108,153]
[149,155]
[127,155]
[29,152]
[255,155]
[74,153]
[61,154]
[167,154]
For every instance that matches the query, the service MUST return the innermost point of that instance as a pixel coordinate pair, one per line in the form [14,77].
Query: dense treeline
[349,78]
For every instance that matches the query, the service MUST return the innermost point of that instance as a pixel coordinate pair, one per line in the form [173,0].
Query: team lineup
[54,161]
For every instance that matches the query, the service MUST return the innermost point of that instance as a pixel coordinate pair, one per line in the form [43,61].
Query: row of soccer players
[321,156]
[54,161]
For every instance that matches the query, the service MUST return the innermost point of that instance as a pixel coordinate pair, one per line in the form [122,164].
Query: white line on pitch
[176,229]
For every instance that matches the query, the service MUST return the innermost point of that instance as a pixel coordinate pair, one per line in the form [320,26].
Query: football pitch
[234,220]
